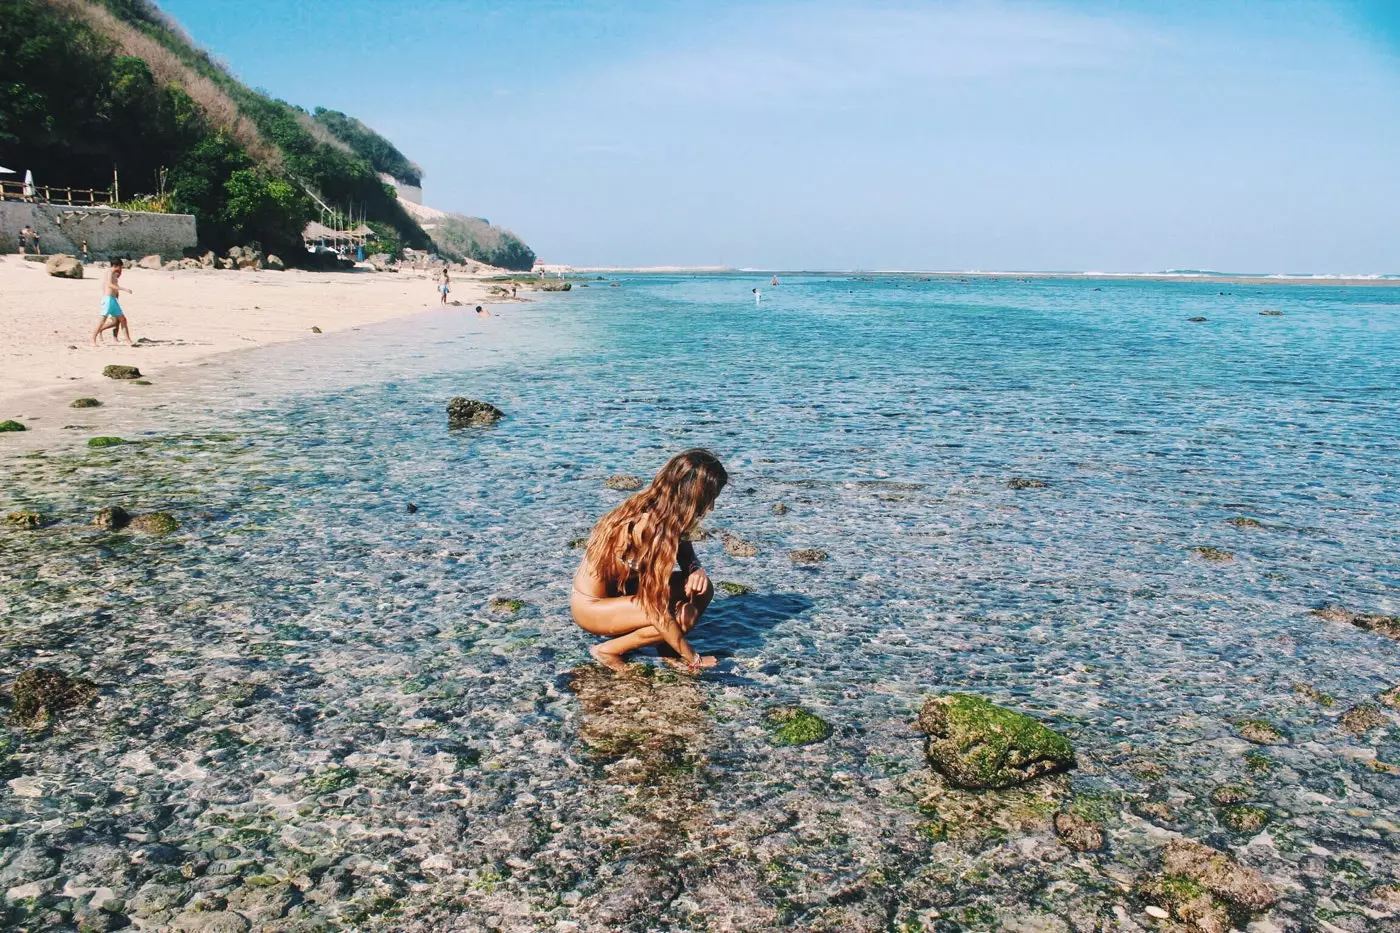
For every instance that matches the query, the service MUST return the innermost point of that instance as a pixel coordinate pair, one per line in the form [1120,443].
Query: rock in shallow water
[11,426]
[24,519]
[84,403]
[1219,873]
[977,744]
[41,692]
[1364,717]
[1260,732]
[468,412]
[1078,832]
[1021,482]
[808,555]
[623,482]
[155,523]
[121,372]
[112,518]
[105,442]
[795,725]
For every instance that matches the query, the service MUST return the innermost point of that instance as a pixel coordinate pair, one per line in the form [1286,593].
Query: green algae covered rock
[1243,817]
[84,402]
[1364,717]
[105,442]
[977,744]
[24,519]
[155,523]
[1244,521]
[503,606]
[121,372]
[730,588]
[1213,554]
[41,692]
[6,426]
[807,555]
[1021,482]
[1260,732]
[1078,832]
[795,725]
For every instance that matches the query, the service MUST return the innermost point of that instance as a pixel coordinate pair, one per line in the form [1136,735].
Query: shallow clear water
[315,679]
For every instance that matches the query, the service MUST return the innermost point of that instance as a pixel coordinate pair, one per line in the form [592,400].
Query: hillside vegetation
[89,86]
[461,237]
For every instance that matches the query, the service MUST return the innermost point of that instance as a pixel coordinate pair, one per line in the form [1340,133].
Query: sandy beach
[178,318]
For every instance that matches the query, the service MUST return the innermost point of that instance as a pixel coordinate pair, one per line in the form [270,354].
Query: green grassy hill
[89,86]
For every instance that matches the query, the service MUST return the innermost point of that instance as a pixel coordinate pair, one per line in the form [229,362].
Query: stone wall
[109,233]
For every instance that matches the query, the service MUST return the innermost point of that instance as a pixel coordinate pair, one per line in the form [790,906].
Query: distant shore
[183,317]
[1223,278]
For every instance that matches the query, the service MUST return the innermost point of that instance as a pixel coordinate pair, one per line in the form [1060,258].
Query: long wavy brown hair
[680,495]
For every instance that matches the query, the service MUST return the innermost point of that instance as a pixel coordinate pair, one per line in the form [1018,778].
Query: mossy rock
[471,413]
[1186,900]
[85,403]
[1213,554]
[779,508]
[121,372]
[1309,692]
[977,744]
[1261,732]
[795,725]
[506,606]
[1364,717]
[334,778]
[624,482]
[1078,832]
[1021,482]
[1244,818]
[112,518]
[7,426]
[1257,763]
[808,555]
[25,519]
[1227,794]
[155,523]
[1389,626]
[42,692]
[730,588]
[1244,521]
[105,442]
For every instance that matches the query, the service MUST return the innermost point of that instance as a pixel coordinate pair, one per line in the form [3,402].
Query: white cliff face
[410,193]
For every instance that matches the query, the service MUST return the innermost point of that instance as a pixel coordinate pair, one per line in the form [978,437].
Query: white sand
[46,354]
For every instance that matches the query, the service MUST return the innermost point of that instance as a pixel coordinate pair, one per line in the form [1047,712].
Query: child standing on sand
[628,588]
[113,318]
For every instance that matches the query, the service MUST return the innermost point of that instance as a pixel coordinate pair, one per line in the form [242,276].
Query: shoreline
[185,318]
[1222,278]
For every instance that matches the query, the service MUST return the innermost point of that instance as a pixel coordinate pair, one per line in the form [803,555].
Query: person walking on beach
[28,240]
[627,587]
[445,286]
[113,318]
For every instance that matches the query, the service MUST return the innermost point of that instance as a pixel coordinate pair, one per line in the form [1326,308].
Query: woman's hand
[696,583]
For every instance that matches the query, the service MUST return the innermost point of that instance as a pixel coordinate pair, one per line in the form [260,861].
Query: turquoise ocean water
[309,689]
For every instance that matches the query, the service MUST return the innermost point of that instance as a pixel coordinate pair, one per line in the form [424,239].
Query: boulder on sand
[977,744]
[274,262]
[468,412]
[64,266]
[121,372]
[11,426]
[152,261]
[84,402]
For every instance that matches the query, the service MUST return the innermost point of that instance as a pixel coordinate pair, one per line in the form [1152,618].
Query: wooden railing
[47,194]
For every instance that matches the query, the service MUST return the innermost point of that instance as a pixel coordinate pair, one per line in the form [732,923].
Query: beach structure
[66,218]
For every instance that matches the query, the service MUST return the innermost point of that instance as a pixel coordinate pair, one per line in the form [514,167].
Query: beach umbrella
[6,171]
[28,183]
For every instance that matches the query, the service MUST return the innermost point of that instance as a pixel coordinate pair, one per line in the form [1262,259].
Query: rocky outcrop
[1260,732]
[112,518]
[1364,717]
[977,744]
[6,426]
[624,482]
[244,257]
[1204,887]
[1078,832]
[556,286]
[466,412]
[42,692]
[155,523]
[84,403]
[64,267]
[1379,623]
[121,372]
[795,725]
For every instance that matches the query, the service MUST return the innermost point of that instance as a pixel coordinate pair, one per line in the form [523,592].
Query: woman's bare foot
[606,658]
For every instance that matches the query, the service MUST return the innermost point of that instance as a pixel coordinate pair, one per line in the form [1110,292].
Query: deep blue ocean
[890,416]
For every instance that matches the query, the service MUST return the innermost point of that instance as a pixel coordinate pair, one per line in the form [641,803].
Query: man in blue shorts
[112,317]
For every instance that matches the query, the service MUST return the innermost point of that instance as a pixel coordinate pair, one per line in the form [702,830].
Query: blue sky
[1097,135]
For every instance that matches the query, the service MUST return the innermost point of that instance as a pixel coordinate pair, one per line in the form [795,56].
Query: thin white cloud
[825,54]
